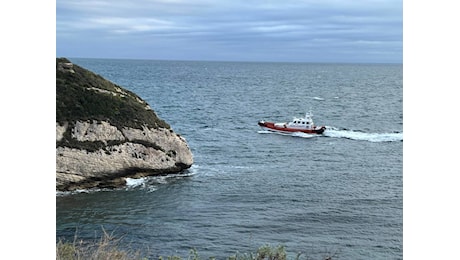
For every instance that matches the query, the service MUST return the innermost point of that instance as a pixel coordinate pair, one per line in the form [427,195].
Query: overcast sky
[233,30]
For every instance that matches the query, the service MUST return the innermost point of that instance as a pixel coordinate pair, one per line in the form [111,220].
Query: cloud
[215,30]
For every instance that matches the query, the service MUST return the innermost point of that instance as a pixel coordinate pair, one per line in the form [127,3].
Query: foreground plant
[263,253]
[107,248]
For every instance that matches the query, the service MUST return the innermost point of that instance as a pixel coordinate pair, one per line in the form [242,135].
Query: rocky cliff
[105,133]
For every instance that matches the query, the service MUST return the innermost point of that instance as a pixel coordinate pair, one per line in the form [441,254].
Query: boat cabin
[306,122]
[299,123]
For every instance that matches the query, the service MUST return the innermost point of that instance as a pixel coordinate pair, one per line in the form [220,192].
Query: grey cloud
[248,27]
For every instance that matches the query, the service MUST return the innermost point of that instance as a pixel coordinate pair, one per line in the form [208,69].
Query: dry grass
[106,248]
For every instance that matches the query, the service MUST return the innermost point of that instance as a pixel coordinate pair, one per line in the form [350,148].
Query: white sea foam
[131,182]
[273,132]
[362,136]
[349,134]
[318,98]
[264,132]
[303,135]
[293,134]
[151,182]
[161,179]
[65,193]
[193,170]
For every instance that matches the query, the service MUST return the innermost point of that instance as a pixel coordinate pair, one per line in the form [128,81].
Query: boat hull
[270,126]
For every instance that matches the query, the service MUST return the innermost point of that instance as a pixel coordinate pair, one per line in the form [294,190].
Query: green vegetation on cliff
[83,95]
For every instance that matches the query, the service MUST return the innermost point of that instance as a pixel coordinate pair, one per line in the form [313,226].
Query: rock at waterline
[105,133]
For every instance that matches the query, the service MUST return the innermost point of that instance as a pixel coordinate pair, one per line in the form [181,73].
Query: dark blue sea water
[341,193]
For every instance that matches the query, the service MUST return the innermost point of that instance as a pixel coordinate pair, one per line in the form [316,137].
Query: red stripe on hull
[272,127]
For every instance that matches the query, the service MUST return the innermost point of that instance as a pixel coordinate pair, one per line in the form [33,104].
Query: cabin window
[303,123]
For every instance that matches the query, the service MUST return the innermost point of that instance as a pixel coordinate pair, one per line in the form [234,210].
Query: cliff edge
[105,133]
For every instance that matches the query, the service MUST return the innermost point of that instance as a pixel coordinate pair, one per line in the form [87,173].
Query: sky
[232,30]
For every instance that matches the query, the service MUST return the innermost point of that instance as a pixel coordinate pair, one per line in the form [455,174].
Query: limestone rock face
[126,153]
[96,147]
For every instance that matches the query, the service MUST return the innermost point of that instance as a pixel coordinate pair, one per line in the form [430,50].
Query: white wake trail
[362,136]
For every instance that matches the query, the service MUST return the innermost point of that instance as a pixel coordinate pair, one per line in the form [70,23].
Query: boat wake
[345,133]
[363,136]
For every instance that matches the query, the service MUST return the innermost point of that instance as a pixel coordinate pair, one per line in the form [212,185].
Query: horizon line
[235,61]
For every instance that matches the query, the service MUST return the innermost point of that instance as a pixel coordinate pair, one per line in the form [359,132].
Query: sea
[339,194]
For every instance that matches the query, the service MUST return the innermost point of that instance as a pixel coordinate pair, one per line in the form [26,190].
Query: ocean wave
[318,98]
[149,183]
[66,193]
[131,182]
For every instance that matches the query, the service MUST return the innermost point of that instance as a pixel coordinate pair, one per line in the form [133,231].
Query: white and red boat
[302,124]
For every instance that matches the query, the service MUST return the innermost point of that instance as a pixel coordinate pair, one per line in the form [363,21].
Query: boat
[298,124]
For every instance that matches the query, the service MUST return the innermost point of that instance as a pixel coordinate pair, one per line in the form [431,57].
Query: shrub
[84,95]
[107,248]
[264,253]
